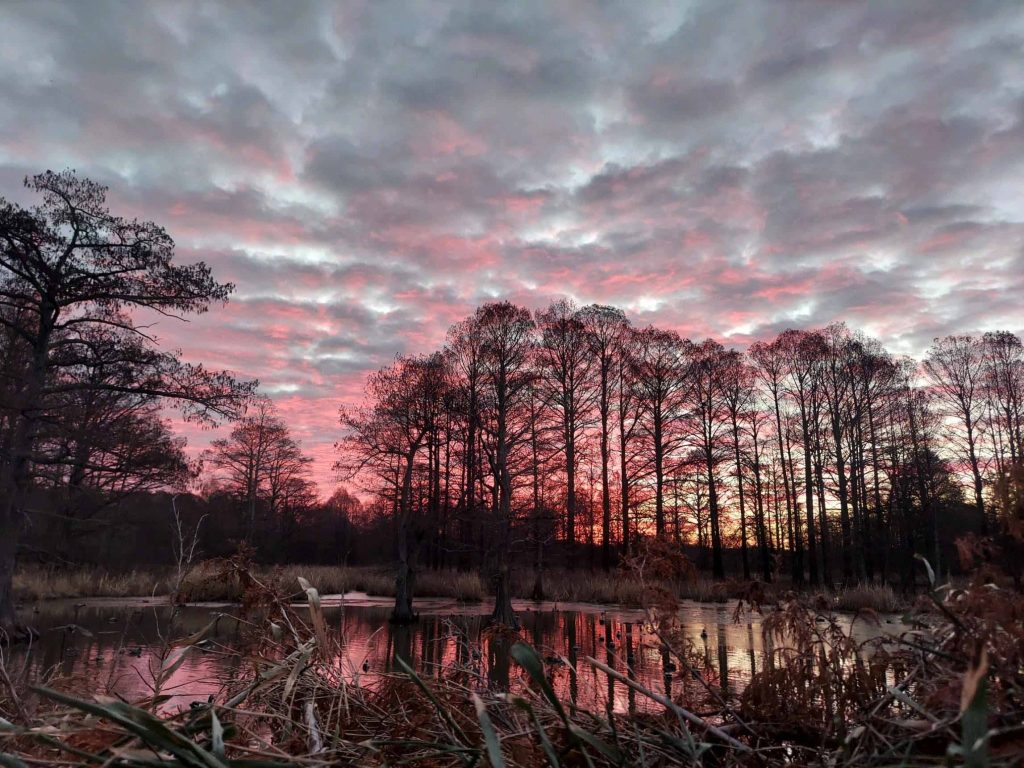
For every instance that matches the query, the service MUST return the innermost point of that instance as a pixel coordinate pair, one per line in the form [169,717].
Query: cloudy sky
[369,172]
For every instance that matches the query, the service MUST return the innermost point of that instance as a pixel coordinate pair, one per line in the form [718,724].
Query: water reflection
[106,646]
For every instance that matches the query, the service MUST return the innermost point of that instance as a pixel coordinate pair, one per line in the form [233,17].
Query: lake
[113,646]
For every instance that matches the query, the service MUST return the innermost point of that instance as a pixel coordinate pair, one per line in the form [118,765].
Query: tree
[566,365]
[770,362]
[243,459]
[658,376]
[73,280]
[605,328]
[956,367]
[707,375]
[508,373]
[738,390]
[1004,388]
[803,351]
[629,408]
[104,447]
[385,436]
[465,354]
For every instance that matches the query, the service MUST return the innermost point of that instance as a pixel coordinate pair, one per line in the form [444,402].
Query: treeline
[82,381]
[570,436]
[566,437]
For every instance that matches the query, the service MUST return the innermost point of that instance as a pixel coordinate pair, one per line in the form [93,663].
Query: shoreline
[837,601]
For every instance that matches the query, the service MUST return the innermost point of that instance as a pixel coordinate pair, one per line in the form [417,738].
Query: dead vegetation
[204,583]
[949,690]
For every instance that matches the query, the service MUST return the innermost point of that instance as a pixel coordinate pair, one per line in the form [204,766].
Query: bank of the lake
[207,583]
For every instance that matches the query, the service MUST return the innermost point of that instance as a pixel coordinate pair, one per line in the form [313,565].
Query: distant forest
[563,438]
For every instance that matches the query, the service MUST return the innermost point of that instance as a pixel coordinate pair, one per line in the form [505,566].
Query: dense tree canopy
[74,280]
[817,455]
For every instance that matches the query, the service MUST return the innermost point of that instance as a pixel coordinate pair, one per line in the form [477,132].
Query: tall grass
[207,583]
[880,598]
[33,583]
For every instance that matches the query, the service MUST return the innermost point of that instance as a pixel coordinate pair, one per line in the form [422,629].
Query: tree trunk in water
[404,581]
[503,613]
[538,574]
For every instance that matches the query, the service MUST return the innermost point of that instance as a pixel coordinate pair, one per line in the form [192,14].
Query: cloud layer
[368,173]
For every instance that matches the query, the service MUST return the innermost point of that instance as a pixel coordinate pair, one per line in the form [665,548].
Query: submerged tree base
[403,619]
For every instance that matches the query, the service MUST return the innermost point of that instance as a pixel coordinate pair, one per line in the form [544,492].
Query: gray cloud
[366,174]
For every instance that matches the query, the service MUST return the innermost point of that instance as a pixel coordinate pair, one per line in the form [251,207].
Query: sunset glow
[366,178]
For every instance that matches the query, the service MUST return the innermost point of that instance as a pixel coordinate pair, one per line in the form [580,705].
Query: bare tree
[565,364]
[803,351]
[508,373]
[738,391]
[707,374]
[1004,389]
[243,458]
[385,437]
[770,361]
[73,278]
[605,327]
[658,376]
[956,367]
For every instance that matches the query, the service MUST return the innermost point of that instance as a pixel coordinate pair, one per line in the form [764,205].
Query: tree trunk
[812,553]
[743,509]
[717,566]
[15,478]
[659,480]
[503,613]
[404,581]
[10,528]
[606,498]
[844,509]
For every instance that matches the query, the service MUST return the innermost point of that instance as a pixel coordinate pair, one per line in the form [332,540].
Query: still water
[114,646]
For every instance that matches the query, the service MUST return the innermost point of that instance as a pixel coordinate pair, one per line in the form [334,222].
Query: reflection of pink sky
[448,641]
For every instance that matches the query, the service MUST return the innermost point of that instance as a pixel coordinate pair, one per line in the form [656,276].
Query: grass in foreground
[951,694]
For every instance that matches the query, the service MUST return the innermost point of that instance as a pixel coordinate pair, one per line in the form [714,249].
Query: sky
[367,173]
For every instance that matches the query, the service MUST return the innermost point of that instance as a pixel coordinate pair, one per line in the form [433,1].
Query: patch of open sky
[553,230]
[903,344]
[800,311]
[671,17]
[605,114]
[378,305]
[646,304]
[1003,196]
[878,260]
[743,329]
[933,287]
[281,196]
[302,253]
[282,388]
